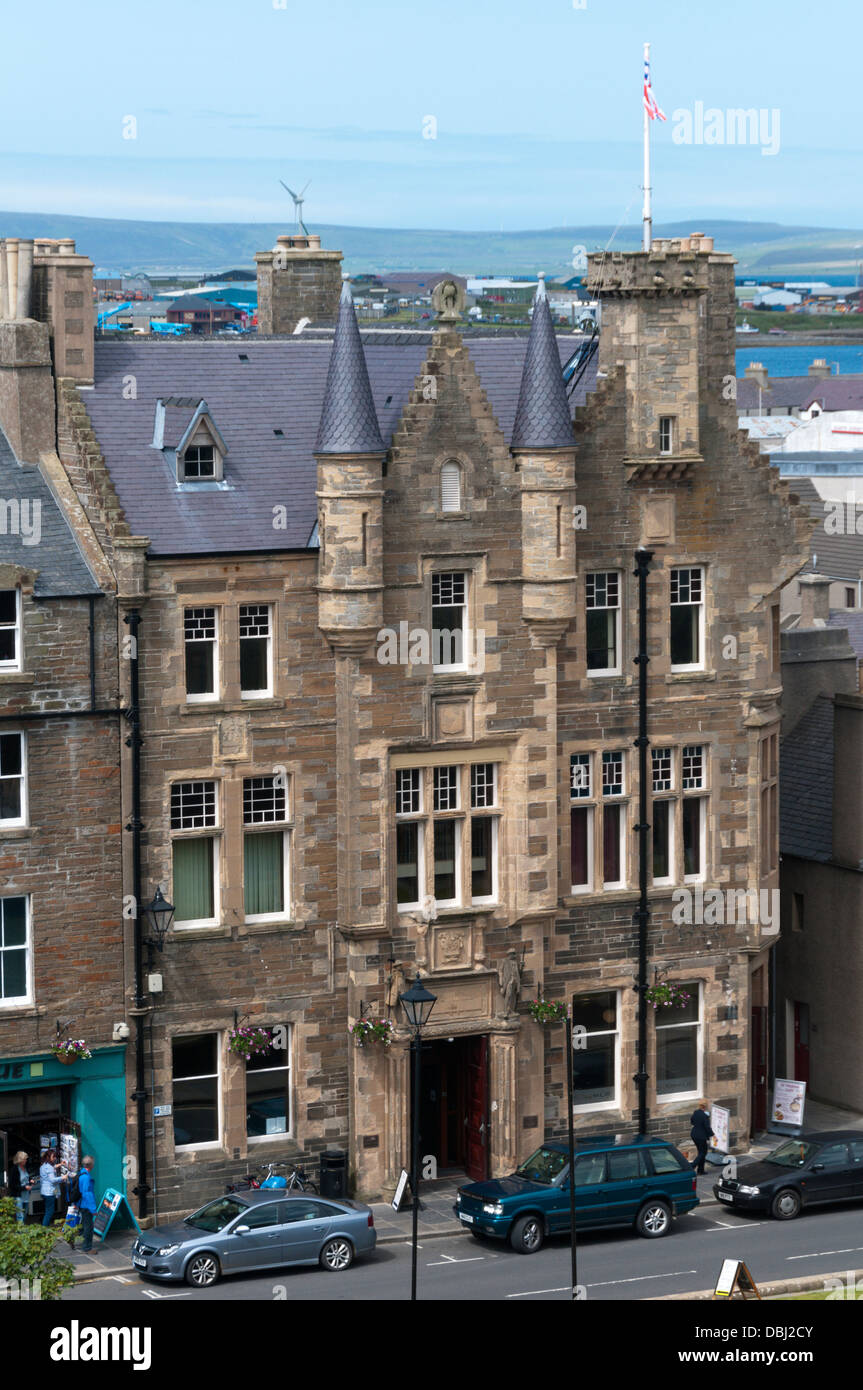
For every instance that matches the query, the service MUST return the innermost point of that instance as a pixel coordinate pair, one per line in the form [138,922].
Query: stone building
[386,622]
[61,944]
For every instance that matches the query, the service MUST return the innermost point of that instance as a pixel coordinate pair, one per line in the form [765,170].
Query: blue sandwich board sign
[113,1204]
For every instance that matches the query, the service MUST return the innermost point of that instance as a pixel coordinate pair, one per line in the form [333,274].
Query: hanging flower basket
[374,1030]
[249,1041]
[667,996]
[71,1050]
[547,1010]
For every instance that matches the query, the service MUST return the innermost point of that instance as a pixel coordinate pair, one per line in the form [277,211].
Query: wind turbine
[299,199]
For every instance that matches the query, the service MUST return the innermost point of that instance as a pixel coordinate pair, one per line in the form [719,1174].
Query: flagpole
[646,218]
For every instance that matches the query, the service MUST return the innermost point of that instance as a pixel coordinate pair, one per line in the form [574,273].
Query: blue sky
[537,110]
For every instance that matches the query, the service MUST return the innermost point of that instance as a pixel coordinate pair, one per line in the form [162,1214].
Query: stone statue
[509,979]
[448,299]
[396,985]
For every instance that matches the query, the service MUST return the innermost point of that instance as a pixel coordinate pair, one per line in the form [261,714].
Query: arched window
[450,487]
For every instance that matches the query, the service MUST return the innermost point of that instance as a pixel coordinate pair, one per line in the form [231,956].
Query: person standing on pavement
[49,1181]
[701,1134]
[87,1204]
[20,1184]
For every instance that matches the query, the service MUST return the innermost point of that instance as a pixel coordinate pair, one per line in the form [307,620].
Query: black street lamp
[159,914]
[417,1004]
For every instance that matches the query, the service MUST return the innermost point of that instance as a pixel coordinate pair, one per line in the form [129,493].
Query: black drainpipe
[141,1010]
[642,915]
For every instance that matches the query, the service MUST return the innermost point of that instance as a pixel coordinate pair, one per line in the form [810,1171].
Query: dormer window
[199,463]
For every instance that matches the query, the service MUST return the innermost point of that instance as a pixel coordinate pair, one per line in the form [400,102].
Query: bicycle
[248,1183]
[300,1181]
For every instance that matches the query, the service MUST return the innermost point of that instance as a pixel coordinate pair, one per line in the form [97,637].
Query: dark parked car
[256,1230]
[645,1184]
[802,1172]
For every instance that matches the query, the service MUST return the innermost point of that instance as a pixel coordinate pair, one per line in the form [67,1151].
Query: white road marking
[451,1260]
[849,1250]
[151,1293]
[730,1226]
[565,1288]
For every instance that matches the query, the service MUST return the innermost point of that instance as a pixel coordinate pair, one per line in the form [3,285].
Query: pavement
[436,1219]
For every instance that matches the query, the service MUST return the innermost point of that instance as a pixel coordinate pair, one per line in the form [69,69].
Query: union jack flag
[653,110]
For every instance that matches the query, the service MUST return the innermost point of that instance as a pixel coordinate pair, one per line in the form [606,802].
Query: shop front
[77,1108]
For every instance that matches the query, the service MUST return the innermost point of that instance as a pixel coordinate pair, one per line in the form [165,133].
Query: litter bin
[334,1173]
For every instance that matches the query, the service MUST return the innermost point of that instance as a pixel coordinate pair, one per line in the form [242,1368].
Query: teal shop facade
[39,1095]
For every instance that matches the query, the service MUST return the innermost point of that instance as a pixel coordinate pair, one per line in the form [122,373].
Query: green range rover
[643,1183]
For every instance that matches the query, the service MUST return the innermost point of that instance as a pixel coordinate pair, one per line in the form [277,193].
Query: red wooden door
[801,1042]
[758,1061]
[476,1117]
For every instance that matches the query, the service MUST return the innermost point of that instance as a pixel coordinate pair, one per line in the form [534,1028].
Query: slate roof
[785,392]
[835,556]
[52,548]
[806,785]
[542,419]
[349,424]
[254,387]
[853,623]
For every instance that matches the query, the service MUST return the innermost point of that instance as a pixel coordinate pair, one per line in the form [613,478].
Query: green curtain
[264,873]
[193,880]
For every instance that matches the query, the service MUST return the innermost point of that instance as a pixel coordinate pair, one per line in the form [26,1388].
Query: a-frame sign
[735,1279]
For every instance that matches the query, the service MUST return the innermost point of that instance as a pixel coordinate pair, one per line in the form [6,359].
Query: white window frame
[670,796]
[462,665]
[13,821]
[458,820]
[267,691]
[204,1076]
[207,698]
[204,832]
[616,610]
[19,1001]
[614,1103]
[17,627]
[701,606]
[672,1097]
[701,795]
[483,813]
[620,799]
[666,434]
[419,818]
[577,802]
[265,1071]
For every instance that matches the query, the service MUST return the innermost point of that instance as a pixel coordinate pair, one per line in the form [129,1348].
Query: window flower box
[249,1041]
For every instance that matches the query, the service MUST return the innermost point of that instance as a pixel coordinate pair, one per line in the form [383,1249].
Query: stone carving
[509,979]
[451,947]
[448,301]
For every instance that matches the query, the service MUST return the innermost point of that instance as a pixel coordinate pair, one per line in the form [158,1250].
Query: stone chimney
[814,600]
[63,299]
[297,280]
[668,321]
[820,367]
[756,371]
[26,384]
[847,779]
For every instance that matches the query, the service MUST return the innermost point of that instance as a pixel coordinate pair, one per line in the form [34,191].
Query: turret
[544,449]
[350,454]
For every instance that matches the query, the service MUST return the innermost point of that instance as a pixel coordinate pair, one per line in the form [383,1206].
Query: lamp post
[641,916]
[158,914]
[417,1003]
[571,1136]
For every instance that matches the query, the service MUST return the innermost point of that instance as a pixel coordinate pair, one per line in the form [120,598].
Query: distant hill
[120,246]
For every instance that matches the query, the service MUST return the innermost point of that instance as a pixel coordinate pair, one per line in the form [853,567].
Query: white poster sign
[789,1098]
[719,1123]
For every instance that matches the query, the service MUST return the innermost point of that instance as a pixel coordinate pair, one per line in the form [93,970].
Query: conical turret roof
[349,424]
[542,419]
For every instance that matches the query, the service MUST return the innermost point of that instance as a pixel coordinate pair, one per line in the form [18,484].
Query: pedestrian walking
[701,1134]
[88,1201]
[20,1184]
[49,1181]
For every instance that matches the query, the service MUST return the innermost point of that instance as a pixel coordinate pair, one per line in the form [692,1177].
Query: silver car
[256,1230]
